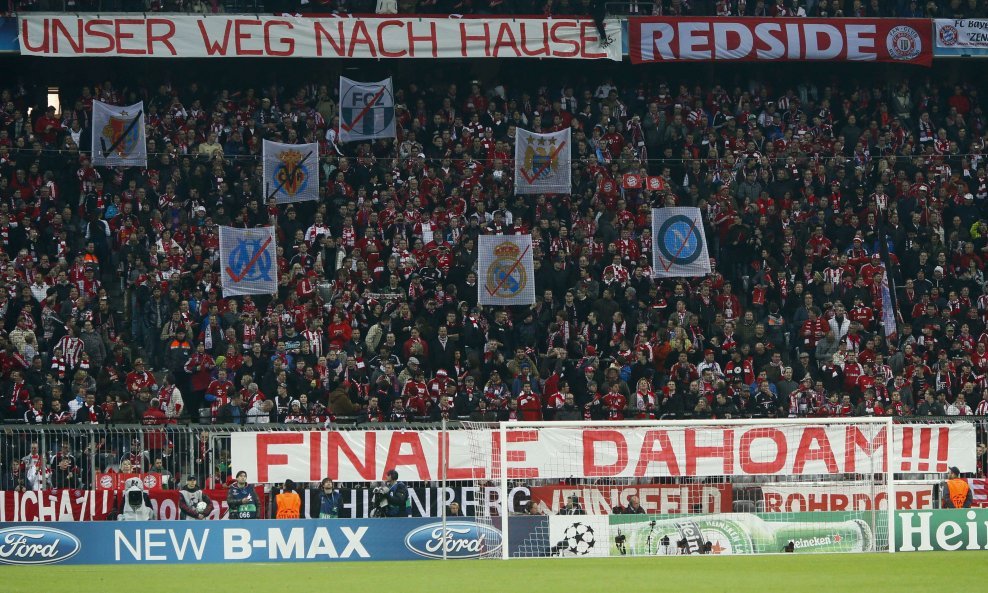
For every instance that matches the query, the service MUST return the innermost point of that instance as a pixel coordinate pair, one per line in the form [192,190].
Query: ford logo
[37,545]
[460,540]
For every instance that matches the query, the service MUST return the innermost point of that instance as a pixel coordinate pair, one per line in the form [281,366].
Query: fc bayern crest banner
[507,270]
[248,261]
[291,171]
[542,162]
[679,247]
[961,37]
[118,136]
[367,110]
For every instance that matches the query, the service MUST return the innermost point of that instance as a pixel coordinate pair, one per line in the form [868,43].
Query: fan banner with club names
[506,270]
[118,135]
[291,172]
[248,261]
[679,247]
[367,110]
[542,162]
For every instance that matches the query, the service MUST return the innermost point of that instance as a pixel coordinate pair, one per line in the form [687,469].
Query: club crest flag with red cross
[118,135]
[291,171]
[542,162]
[248,261]
[679,246]
[367,110]
[506,270]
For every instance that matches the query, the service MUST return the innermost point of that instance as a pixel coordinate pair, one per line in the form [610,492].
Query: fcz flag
[367,110]
[118,135]
[291,172]
[679,247]
[248,261]
[542,162]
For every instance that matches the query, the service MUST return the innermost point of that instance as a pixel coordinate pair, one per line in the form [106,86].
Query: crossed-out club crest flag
[248,261]
[291,171]
[506,270]
[367,110]
[542,162]
[118,136]
[679,247]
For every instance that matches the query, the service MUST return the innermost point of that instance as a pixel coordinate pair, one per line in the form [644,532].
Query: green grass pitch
[874,573]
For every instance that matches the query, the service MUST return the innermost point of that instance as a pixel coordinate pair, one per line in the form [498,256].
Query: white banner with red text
[234,36]
[598,452]
[690,39]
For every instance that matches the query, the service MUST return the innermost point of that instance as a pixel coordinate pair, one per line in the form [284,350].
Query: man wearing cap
[189,498]
[955,493]
[710,364]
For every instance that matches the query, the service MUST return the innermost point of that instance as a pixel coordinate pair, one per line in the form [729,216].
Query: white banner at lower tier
[625,452]
[961,37]
[234,36]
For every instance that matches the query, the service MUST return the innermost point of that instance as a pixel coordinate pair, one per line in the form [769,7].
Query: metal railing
[29,455]
[630,8]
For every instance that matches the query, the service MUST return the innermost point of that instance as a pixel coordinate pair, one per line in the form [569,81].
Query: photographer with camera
[391,498]
[573,507]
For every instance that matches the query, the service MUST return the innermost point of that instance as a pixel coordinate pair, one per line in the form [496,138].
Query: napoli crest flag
[118,136]
[291,172]
[506,269]
[248,261]
[542,162]
[367,110]
[679,247]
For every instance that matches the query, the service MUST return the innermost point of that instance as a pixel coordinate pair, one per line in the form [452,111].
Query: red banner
[631,181]
[835,496]
[115,481]
[99,505]
[702,39]
[654,498]
[56,505]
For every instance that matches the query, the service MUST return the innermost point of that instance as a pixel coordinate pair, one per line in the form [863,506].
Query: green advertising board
[744,533]
[944,529]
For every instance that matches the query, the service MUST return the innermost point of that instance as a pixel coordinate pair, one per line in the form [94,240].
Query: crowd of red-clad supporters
[753,8]
[112,310]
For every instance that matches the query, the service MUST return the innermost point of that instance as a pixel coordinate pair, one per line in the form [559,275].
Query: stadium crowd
[113,313]
[753,8]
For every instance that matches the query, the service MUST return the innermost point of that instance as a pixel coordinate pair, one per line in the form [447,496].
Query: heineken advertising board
[946,529]
[718,533]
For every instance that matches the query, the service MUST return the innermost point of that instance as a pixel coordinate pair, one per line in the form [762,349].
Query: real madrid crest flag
[506,270]
[248,261]
[291,172]
[367,110]
[118,136]
[679,247]
[542,162]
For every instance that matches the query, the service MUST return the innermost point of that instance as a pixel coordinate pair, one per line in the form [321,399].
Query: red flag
[656,183]
[631,181]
